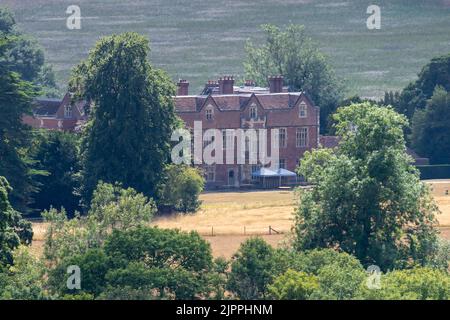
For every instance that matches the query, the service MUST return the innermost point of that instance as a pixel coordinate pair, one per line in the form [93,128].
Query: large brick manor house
[222,105]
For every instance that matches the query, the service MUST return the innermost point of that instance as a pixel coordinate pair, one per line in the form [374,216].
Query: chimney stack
[183,87]
[226,85]
[276,84]
[211,87]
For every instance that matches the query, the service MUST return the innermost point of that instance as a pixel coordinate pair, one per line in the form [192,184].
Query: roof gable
[209,101]
[253,100]
[239,102]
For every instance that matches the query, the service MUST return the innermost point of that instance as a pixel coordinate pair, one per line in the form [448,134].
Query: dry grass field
[236,213]
[226,219]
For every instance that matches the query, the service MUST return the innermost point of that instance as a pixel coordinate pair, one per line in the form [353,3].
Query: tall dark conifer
[15,100]
[127,139]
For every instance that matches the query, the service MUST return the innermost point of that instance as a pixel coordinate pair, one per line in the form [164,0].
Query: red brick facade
[221,106]
[56,114]
[257,108]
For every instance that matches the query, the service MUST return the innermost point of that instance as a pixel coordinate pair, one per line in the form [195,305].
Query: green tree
[431,128]
[15,100]
[181,188]
[294,55]
[412,284]
[93,265]
[25,56]
[252,270]
[415,95]
[367,198]
[13,229]
[339,275]
[167,263]
[293,285]
[127,139]
[57,153]
[441,257]
[112,208]
[340,281]
[25,279]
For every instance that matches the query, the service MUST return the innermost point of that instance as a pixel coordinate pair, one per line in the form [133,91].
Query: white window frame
[207,140]
[284,144]
[253,112]
[284,163]
[68,111]
[209,113]
[302,110]
[254,168]
[227,138]
[302,134]
[210,170]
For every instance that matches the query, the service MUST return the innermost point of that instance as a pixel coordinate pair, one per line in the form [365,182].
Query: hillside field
[200,40]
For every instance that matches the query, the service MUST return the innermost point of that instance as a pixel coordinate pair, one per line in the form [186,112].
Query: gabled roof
[329,141]
[45,107]
[278,100]
[50,108]
[231,102]
[236,102]
[189,103]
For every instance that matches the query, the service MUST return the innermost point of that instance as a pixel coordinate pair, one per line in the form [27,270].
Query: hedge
[438,171]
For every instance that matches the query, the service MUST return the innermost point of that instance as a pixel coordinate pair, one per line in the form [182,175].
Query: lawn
[224,216]
[200,39]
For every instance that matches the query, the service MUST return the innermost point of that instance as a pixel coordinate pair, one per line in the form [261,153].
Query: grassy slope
[200,39]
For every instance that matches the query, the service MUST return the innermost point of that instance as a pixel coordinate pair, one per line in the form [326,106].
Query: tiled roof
[45,107]
[231,102]
[329,141]
[236,102]
[278,100]
[189,103]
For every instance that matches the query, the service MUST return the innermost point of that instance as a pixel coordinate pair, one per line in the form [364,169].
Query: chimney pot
[183,87]
[249,83]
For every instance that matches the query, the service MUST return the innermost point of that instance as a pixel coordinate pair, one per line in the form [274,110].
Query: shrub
[413,284]
[181,188]
[293,285]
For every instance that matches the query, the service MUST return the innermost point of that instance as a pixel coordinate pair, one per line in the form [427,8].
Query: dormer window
[209,113]
[68,111]
[303,110]
[253,112]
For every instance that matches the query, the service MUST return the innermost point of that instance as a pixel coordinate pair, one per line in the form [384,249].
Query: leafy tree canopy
[15,100]
[112,208]
[181,188]
[57,153]
[415,95]
[13,229]
[431,128]
[292,54]
[25,56]
[127,139]
[367,198]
